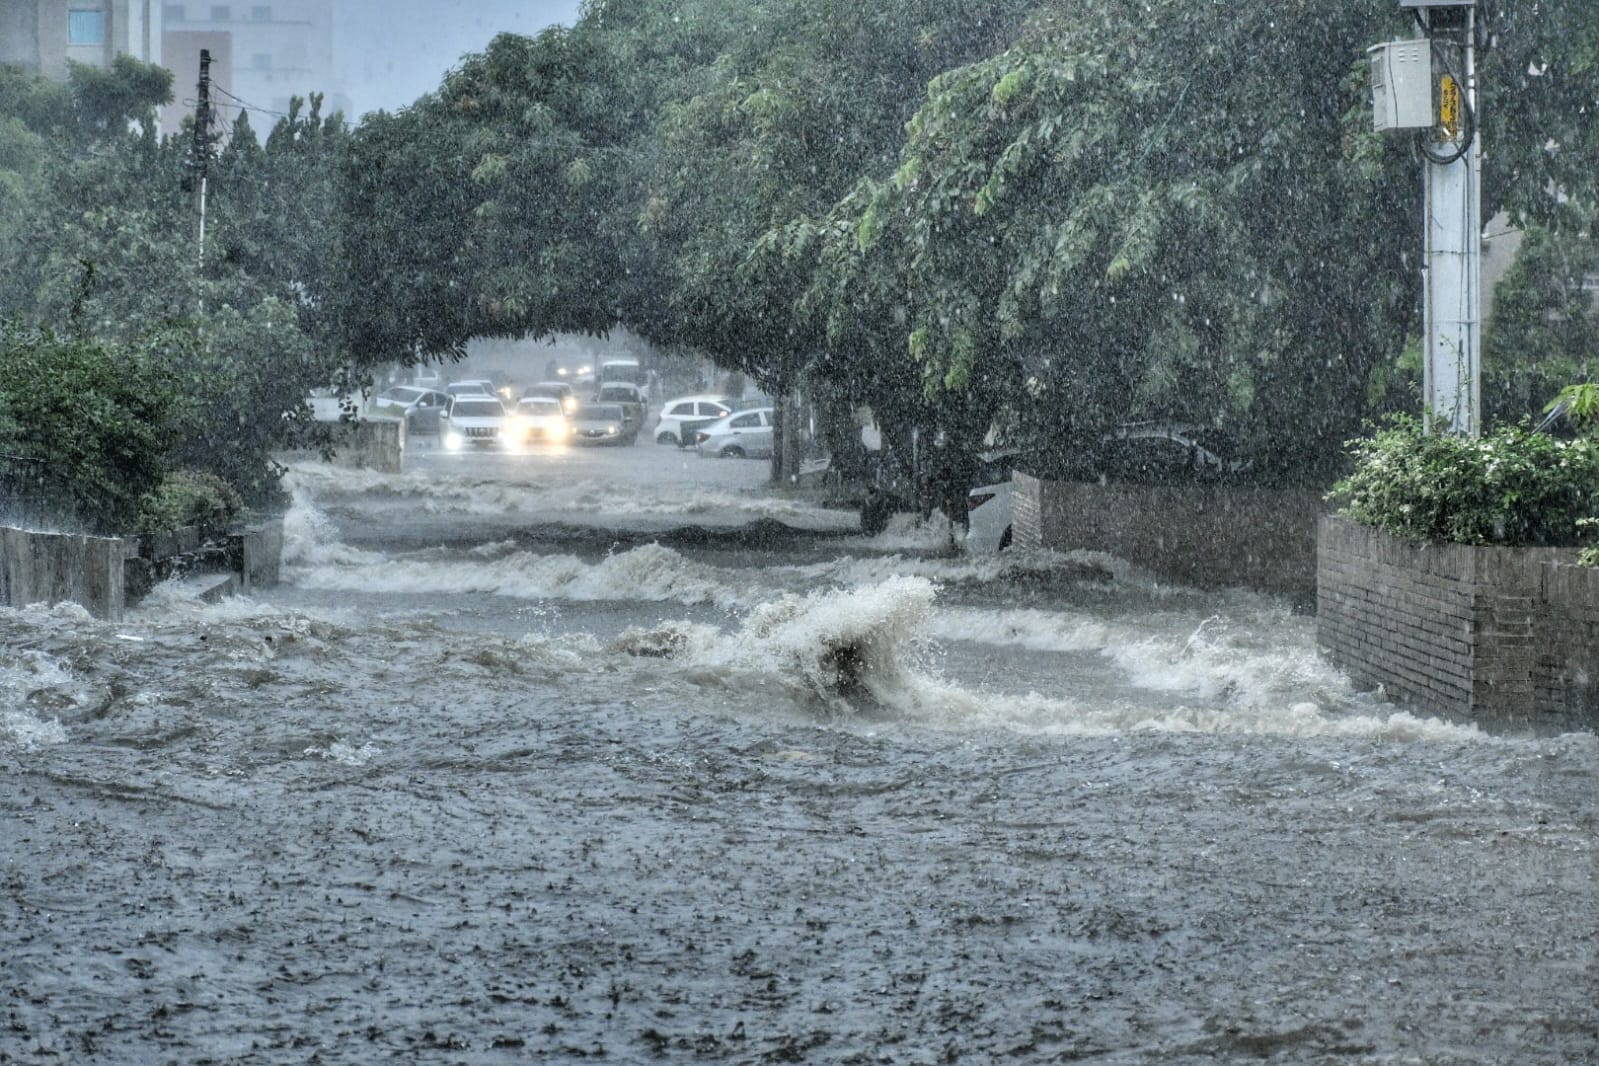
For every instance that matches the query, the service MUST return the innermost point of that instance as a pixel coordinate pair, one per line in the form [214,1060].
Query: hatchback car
[475,421]
[682,417]
[741,434]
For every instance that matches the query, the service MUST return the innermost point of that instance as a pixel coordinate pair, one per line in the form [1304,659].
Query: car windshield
[477,409]
[539,406]
[401,395]
[599,413]
[553,391]
[618,394]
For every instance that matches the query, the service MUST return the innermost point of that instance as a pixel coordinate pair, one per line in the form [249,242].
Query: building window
[174,13]
[85,27]
[221,13]
[261,61]
[260,13]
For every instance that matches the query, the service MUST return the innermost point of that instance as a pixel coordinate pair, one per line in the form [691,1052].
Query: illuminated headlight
[453,440]
[517,426]
[569,404]
[610,431]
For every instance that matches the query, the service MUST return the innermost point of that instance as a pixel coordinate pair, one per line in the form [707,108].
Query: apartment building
[262,54]
[41,35]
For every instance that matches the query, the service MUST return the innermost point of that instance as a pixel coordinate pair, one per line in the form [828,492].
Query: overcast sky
[389,52]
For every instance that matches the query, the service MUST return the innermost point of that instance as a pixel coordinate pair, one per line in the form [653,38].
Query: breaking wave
[868,652]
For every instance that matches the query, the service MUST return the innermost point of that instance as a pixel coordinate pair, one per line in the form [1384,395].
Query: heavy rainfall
[657,657]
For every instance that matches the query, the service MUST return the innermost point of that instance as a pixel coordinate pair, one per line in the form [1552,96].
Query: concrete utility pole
[201,158]
[1431,84]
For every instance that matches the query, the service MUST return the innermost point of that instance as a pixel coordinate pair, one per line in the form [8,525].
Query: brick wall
[1204,536]
[1566,682]
[1498,634]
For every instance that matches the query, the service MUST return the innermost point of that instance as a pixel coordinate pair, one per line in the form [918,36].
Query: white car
[988,526]
[540,418]
[474,421]
[420,408]
[680,417]
[741,434]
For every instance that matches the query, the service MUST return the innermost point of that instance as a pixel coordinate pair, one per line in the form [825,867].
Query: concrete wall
[104,574]
[1508,636]
[58,567]
[374,445]
[1205,536]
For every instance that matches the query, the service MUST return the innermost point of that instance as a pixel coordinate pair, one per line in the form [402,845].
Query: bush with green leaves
[190,498]
[101,425]
[1513,487]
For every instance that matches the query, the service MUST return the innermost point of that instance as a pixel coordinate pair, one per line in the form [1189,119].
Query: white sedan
[741,434]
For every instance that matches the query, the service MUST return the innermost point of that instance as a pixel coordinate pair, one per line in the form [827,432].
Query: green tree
[1544,332]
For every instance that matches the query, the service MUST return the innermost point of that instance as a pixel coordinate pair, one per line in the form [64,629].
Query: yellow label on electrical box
[1449,106]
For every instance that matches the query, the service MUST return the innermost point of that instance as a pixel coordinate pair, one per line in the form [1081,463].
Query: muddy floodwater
[614,755]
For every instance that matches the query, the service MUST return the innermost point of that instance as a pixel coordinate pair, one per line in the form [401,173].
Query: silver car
[740,434]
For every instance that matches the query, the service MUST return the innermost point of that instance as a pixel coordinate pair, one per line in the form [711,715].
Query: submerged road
[613,755]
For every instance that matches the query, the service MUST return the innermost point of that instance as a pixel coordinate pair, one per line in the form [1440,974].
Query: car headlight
[453,440]
[610,431]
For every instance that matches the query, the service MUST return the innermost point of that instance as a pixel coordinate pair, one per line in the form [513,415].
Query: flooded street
[614,754]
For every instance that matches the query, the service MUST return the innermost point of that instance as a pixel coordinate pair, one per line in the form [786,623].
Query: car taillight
[701,438]
[974,500]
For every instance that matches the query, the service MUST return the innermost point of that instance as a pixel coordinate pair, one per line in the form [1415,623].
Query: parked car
[1139,453]
[555,390]
[419,408]
[598,423]
[541,418]
[988,506]
[474,420]
[683,417]
[631,400]
[735,436]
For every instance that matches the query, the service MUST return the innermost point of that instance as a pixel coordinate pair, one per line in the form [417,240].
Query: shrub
[189,498]
[101,424]
[1513,487]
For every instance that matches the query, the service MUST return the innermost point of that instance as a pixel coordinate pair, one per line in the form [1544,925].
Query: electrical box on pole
[1401,85]
[1429,84]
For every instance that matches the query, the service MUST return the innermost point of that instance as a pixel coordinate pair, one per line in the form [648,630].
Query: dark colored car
[599,423]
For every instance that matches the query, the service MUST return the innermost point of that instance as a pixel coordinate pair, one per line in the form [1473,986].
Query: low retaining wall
[63,567]
[1507,636]
[105,574]
[1205,536]
[376,445]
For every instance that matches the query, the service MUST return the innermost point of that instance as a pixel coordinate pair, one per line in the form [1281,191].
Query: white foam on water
[646,573]
[345,753]
[965,569]
[866,650]
[24,673]
[22,731]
